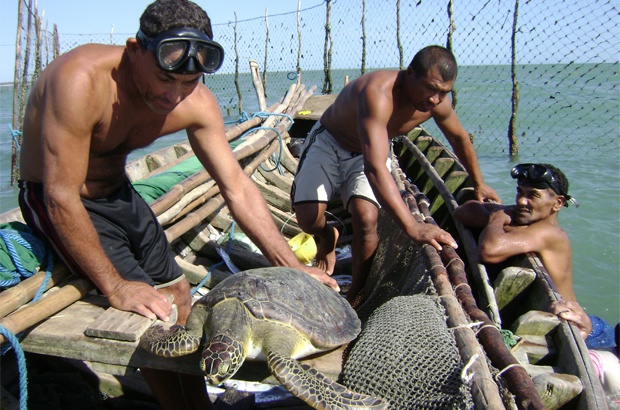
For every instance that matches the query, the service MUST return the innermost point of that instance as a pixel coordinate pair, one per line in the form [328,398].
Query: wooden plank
[316,105]
[118,325]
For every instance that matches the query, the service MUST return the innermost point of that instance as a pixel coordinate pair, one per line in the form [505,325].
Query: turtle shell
[293,297]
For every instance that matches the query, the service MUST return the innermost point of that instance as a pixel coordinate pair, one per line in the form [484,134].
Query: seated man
[531,225]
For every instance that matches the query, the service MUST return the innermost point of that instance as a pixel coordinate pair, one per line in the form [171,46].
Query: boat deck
[64,335]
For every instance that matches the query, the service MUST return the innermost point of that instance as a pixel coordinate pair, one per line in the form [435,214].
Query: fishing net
[415,361]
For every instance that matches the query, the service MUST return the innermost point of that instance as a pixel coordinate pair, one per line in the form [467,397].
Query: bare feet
[326,251]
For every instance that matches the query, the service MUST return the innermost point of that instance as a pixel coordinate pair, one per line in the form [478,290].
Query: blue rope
[265,114]
[242,118]
[23,371]
[220,263]
[279,159]
[14,135]
[33,244]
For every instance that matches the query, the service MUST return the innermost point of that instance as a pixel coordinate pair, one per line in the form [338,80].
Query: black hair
[435,56]
[163,15]
[560,178]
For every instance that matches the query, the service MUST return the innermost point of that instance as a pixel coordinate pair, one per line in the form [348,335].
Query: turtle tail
[314,388]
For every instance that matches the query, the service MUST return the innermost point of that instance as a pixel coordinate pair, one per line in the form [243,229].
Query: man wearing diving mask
[88,110]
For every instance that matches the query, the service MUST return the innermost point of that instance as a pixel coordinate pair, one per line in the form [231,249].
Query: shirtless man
[88,110]
[531,225]
[347,150]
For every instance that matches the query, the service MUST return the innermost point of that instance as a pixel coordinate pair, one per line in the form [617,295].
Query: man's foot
[326,251]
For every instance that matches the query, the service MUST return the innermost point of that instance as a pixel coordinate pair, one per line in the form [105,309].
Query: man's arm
[71,110]
[449,124]
[242,196]
[499,240]
[373,114]
[475,214]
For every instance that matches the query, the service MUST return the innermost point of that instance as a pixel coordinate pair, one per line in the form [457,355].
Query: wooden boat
[432,182]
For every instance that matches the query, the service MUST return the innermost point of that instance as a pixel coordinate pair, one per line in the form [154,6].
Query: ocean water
[586,147]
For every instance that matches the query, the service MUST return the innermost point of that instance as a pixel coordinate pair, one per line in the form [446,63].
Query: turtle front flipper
[172,342]
[315,388]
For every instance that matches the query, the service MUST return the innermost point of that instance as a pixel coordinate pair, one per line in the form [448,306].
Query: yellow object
[304,112]
[303,246]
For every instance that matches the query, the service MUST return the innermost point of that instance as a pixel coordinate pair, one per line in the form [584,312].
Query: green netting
[152,188]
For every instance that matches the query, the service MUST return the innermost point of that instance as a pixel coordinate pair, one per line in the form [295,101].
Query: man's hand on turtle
[320,275]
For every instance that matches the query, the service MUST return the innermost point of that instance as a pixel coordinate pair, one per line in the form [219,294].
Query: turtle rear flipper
[315,389]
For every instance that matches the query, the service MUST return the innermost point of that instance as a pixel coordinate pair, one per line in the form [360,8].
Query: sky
[119,16]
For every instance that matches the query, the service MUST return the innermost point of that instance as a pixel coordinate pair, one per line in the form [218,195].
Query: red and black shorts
[128,231]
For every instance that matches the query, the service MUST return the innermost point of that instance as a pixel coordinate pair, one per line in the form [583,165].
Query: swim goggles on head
[541,177]
[184,50]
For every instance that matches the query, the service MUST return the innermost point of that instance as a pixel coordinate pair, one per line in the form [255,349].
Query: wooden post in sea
[16,80]
[449,43]
[298,42]
[266,52]
[398,41]
[363,68]
[513,142]
[239,96]
[38,27]
[327,50]
[56,43]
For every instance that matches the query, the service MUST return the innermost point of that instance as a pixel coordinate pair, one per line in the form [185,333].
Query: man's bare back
[403,116]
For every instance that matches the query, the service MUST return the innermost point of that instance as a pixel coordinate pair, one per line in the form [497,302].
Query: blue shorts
[602,335]
[128,231]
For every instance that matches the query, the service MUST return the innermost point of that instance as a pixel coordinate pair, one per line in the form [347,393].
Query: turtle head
[221,358]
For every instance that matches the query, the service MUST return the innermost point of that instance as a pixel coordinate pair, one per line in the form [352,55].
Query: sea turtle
[275,314]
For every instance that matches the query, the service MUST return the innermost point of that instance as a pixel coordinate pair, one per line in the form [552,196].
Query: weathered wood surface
[316,105]
[63,335]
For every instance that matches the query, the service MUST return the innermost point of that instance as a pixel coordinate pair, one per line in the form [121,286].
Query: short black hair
[435,56]
[560,178]
[163,15]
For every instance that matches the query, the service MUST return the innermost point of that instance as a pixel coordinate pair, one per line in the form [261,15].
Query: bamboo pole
[363,68]
[258,85]
[53,302]
[513,141]
[485,392]
[38,26]
[327,50]
[298,41]
[398,40]
[449,43]
[16,81]
[196,217]
[179,190]
[23,292]
[519,382]
[266,51]
[239,95]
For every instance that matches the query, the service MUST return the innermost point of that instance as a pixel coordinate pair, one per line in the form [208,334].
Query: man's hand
[573,313]
[319,275]
[500,217]
[140,298]
[485,193]
[433,235]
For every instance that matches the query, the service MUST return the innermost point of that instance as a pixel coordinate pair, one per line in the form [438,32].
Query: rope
[220,263]
[243,117]
[31,243]
[21,360]
[14,135]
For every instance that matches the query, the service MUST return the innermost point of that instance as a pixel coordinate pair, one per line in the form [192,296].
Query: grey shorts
[326,171]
